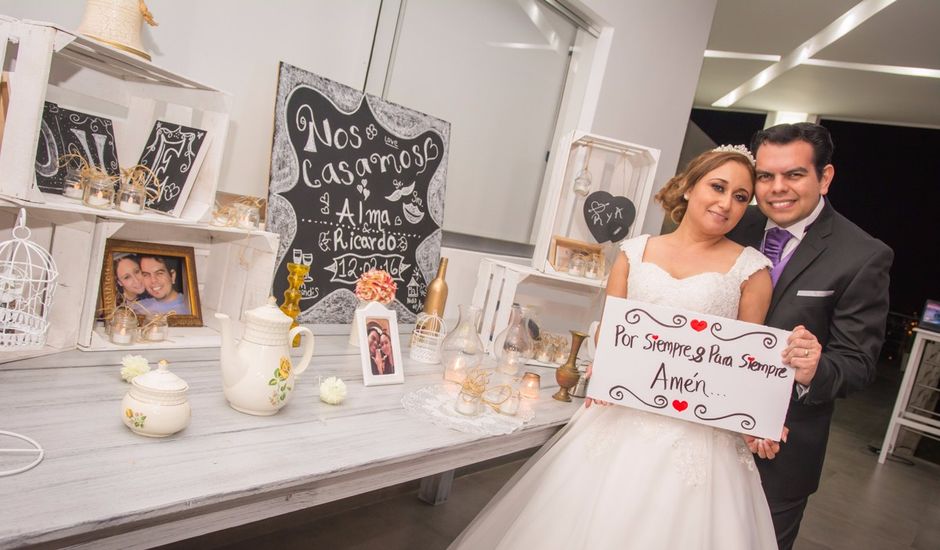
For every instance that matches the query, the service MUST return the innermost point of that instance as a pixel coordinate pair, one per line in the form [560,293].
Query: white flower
[133,366]
[332,390]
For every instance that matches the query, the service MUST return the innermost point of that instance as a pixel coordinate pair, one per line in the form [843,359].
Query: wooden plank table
[102,486]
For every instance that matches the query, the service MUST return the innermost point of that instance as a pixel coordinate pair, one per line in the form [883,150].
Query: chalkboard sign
[174,153]
[357,183]
[62,132]
[608,217]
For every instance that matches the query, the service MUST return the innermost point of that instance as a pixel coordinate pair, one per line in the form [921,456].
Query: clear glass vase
[513,346]
[462,349]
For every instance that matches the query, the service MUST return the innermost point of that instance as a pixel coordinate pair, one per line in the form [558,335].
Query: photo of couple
[381,356]
[629,478]
[152,279]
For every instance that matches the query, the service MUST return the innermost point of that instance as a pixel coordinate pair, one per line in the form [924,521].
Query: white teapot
[257,374]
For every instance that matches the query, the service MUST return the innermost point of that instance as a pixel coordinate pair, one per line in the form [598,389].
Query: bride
[618,478]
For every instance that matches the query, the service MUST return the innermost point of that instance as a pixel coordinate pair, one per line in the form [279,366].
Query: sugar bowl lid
[160,385]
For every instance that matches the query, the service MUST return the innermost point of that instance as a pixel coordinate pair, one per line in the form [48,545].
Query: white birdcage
[27,283]
[427,338]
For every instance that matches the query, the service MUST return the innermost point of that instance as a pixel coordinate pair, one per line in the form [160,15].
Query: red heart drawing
[750,358]
[680,405]
[698,326]
[655,337]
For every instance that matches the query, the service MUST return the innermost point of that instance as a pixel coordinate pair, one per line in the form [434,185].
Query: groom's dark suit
[836,285]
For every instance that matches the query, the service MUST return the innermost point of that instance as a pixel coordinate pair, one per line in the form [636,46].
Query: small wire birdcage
[27,284]
[427,338]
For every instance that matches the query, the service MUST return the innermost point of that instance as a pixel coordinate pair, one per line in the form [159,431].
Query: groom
[831,282]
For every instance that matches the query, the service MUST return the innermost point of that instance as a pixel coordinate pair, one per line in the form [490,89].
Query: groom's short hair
[814,134]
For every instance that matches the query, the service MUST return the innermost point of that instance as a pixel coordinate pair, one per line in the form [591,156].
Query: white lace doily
[436,403]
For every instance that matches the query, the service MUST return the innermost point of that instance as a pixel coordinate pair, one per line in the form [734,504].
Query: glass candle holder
[72,186]
[123,326]
[468,404]
[510,406]
[247,216]
[99,192]
[577,266]
[131,199]
[530,386]
[154,329]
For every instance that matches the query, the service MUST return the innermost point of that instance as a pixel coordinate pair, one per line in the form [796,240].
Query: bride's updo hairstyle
[672,195]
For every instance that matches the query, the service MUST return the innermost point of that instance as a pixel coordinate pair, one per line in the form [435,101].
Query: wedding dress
[619,478]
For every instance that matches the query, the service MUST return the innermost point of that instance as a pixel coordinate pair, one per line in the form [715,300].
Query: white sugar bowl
[156,405]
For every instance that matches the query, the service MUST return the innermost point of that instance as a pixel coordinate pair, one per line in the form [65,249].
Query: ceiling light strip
[887,69]
[834,31]
[718,54]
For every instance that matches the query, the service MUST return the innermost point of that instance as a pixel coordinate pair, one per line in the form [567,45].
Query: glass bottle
[513,346]
[462,349]
[437,292]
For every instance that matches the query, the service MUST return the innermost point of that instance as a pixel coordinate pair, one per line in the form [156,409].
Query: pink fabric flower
[376,286]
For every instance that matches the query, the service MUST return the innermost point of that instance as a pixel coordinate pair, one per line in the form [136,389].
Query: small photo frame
[151,278]
[379,345]
[562,250]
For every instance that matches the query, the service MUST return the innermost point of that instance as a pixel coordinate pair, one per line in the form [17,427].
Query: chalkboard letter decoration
[62,132]
[357,183]
[608,217]
[174,152]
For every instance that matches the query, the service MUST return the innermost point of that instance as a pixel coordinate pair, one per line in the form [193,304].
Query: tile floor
[859,505]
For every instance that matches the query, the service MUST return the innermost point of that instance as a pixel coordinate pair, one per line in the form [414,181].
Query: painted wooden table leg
[904,394]
[435,489]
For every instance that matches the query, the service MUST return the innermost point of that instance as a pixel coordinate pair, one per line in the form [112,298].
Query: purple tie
[774,242]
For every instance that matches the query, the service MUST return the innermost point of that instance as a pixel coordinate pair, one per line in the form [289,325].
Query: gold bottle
[437,292]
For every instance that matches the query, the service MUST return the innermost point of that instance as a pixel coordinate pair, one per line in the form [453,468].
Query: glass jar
[462,349]
[131,199]
[577,266]
[247,216]
[123,326]
[99,192]
[154,329]
[73,186]
[468,404]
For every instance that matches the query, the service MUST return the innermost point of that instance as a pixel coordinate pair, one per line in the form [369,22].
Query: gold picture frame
[163,280]
[562,249]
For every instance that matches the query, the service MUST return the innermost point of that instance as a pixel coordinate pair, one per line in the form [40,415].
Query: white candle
[73,192]
[155,333]
[467,404]
[131,207]
[122,336]
[97,200]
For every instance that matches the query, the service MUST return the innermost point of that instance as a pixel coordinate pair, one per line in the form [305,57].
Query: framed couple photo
[152,279]
[379,345]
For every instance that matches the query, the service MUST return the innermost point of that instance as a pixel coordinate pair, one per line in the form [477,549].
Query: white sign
[701,368]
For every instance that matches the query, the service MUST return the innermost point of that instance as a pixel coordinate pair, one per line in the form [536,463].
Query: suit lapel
[811,246]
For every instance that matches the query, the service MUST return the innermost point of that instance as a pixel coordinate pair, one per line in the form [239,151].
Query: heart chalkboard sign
[608,217]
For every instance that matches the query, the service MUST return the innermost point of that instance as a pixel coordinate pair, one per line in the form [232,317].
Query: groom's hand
[803,352]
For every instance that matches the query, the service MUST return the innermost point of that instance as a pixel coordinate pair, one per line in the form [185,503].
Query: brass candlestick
[291,305]
[567,375]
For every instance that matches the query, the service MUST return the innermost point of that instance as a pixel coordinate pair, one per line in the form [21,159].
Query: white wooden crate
[46,63]
[562,302]
[618,167]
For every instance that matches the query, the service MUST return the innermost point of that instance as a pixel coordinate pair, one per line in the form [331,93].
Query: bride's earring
[686,197]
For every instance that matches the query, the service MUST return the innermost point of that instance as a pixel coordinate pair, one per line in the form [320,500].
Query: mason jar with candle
[131,199]
[99,192]
[73,186]
[123,326]
[247,216]
[154,329]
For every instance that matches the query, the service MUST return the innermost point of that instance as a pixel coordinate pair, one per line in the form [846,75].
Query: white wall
[236,47]
[645,98]
[651,76]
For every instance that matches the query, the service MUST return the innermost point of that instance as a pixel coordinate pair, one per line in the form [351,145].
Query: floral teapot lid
[267,324]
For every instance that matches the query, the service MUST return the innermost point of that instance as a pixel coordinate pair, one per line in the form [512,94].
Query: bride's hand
[765,448]
[588,401]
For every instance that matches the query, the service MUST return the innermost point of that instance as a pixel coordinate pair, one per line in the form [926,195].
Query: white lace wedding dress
[618,478]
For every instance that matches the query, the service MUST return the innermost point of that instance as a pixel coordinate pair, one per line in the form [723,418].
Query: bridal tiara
[740,149]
